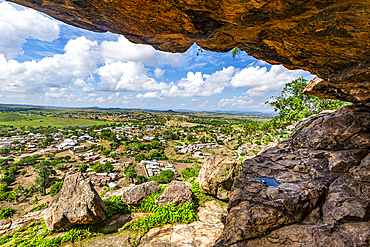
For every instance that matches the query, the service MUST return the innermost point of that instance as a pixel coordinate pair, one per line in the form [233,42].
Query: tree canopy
[293,105]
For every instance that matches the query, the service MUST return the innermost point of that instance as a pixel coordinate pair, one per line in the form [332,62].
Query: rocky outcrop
[177,191]
[327,38]
[135,195]
[301,192]
[125,238]
[15,222]
[217,176]
[76,203]
[201,233]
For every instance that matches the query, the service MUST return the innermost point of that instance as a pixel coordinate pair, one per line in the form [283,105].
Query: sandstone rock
[342,161]
[217,176]
[327,38]
[76,203]
[176,192]
[197,234]
[346,128]
[126,239]
[326,191]
[135,195]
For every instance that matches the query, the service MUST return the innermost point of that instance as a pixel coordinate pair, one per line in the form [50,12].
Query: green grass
[35,120]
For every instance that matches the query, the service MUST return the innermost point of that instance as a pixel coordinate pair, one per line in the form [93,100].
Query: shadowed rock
[326,192]
[76,203]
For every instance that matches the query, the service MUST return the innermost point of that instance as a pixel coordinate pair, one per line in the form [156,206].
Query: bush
[23,172]
[97,167]
[115,206]
[83,167]
[6,213]
[108,167]
[190,172]
[55,188]
[164,177]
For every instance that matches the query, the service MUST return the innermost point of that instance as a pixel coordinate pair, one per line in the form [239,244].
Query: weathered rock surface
[76,203]
[327,38]
[177,191]
[304,181]
[126,239]
[217,176]
[135,195]
[24,220]
[201,233]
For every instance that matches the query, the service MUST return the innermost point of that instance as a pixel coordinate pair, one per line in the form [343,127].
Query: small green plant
[55,188]
[40,207]
[115,206]
[23,172]
[6,213]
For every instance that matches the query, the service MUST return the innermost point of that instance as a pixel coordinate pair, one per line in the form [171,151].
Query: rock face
[135,195]
[24,220]
[327,38]
[301,192]
[217,176]
[176,192]
[202,233]
[76,203]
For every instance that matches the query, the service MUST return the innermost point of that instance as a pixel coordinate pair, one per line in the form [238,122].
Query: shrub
[23,172]
[6,213]
[55,188]
[164,177]
[83,167]
[97,167]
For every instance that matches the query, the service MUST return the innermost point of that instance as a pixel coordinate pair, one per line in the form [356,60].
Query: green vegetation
[191,172]
[6,213]
[165,177]
[55,188]
[40,207]
[44,170]
[36,234]
[293,105]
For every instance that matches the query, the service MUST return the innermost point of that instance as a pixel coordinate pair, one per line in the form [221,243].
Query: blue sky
[46,62]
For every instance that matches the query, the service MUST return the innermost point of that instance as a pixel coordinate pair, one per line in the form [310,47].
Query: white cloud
[203,104]
[193,100]
[236,102]
[195,85]
[158,72]
[16,25]
[261,80]
[79,60]
[130,76]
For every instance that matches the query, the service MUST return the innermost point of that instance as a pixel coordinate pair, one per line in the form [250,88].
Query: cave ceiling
[331,39]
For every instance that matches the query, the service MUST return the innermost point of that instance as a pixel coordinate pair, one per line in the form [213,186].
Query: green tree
[55,188]
[44,172]
[131,173]
[108,167]
[293,105]
[83,167]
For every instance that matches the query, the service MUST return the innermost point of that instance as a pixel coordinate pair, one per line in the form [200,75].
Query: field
[36,120]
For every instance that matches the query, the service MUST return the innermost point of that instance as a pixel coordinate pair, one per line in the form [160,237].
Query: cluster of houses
[224,138]
[195,147]
[30,141]
[153,168]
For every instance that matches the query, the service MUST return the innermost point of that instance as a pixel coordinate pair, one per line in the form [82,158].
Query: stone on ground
[135,195]
[176,192]
[76,203]
[217,176]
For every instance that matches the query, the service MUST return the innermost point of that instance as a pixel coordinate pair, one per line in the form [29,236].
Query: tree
[164,177]
[293,105]
[44,170]
[83,167]
[55,188]
[108,167]
[235,51]
[131,173]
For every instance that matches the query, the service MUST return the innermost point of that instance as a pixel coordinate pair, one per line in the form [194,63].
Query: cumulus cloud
[79,60]
[129,76]
[16,25]
[195,85]
[260,80]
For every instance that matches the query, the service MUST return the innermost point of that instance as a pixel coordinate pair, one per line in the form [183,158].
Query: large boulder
[135,195]
[303,193]
[177,191]
[76,203]
[217,176]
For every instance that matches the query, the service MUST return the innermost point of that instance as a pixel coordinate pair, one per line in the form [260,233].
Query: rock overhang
[328,38]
